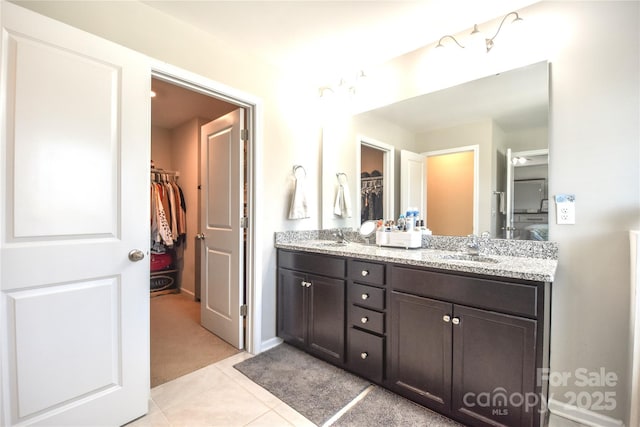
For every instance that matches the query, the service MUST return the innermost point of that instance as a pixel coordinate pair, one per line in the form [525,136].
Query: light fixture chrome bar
[449,36]
[489,42]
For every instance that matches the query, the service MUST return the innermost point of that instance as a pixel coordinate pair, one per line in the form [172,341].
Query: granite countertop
[518,267]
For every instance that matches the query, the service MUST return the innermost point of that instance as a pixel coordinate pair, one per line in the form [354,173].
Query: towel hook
[295,170]
[338,175]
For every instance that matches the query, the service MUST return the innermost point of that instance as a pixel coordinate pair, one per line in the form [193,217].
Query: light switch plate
[565,209]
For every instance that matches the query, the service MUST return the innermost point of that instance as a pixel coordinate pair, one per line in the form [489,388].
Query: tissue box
[399,239]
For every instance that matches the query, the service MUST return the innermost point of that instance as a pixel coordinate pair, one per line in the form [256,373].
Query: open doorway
[179,344]
[375,168]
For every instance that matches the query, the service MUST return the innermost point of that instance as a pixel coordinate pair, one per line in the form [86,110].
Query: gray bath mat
[385,409]
[312,387]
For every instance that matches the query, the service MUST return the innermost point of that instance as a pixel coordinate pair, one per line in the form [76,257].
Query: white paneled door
[222,179]
[74,309]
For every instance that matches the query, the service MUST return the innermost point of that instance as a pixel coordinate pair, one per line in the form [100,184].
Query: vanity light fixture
[475,33]
[519,161]
[489,42]
[325,91]
[448,36]
[344,85]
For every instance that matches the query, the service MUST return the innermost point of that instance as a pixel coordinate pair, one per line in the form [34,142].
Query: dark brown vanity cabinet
[461,346]
[468,346]
[311,303]
[366,318]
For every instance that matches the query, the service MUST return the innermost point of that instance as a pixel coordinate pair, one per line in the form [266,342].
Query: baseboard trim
[582,416]
[269,344]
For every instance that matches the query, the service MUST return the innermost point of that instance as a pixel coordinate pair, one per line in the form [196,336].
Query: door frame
[254,118]
[388,183]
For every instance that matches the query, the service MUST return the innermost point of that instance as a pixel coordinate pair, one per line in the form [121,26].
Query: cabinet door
[421,350]
[493,367]
[292,306]
[327,317]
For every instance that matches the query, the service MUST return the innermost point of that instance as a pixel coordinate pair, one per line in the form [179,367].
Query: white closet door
[221,168]
[74,310]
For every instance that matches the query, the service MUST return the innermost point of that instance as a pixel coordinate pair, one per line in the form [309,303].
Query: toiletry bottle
[409,221]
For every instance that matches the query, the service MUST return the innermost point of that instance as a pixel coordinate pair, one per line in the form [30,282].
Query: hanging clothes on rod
[371,185]
[168,210]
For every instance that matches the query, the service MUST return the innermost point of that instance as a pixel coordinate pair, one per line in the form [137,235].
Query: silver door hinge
[244,222]
[244,134]
[243,310]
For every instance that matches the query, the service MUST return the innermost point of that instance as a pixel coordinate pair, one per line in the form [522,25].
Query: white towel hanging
[299,208]
[342,207]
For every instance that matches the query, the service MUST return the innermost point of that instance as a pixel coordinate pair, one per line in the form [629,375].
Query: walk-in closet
[179,343]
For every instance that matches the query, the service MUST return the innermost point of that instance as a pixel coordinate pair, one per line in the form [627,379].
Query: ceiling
[321,39]
[174,105]
[325,39]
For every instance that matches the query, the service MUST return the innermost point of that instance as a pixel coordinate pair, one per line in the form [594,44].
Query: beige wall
[450,194]
[593,138]
[185,146]
[161,147]
[371,159]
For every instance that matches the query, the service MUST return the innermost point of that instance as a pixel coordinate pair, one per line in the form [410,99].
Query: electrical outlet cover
[565,209]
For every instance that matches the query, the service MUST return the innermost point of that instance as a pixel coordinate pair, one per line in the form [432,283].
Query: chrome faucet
[473,245]
[339,235]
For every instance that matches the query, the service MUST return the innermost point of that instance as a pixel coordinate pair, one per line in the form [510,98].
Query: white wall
[594,148]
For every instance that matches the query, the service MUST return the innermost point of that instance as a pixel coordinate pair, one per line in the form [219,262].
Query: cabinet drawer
[366,296]
[366,272]
[312,263]
[366,354]
[507,297]
[366,319]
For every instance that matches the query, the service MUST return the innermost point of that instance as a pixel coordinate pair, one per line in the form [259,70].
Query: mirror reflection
[454,156]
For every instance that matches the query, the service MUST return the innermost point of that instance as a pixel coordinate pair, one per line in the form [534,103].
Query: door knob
[200,236]
[136,255]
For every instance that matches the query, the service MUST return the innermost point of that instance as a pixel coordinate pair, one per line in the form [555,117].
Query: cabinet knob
[365,296]
[446,318]
[308,284]
[365,273]
[364,320]
[364,355]
[305,284]
[455,321]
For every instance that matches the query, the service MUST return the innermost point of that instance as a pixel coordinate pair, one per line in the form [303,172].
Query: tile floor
[219,395]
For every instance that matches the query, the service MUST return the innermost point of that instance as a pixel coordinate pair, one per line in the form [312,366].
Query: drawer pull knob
[364,355]
[365,273]
[365,296]
[446,318]
[364,319]
[455,321]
